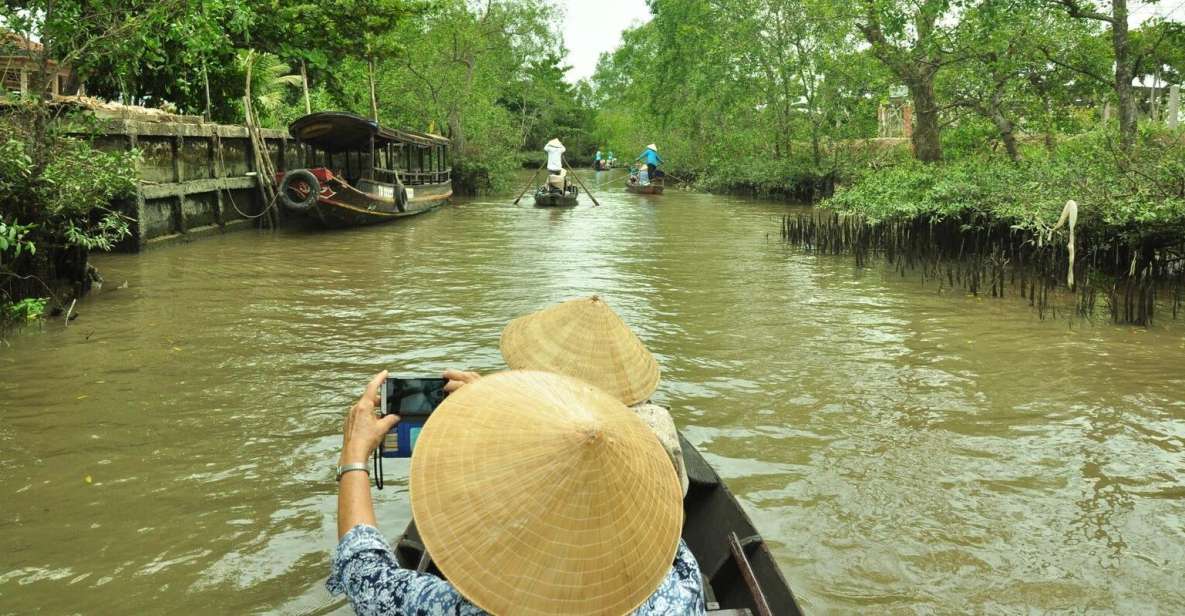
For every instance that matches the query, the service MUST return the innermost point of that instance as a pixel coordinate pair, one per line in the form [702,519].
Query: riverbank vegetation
[979,120]
[59,200]
[488,75]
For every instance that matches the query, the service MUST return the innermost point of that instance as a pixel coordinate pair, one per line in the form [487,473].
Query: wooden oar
[530,182]
[578,181]
[677,178]
[611,178]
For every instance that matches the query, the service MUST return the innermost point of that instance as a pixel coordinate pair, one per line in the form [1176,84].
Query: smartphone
[413,399]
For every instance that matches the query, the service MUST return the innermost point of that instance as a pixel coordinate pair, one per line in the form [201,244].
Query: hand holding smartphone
[413,399]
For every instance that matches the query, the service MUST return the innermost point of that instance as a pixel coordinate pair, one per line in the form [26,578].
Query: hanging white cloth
[1069,215]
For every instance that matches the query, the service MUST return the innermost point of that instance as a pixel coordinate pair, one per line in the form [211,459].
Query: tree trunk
[926,145]
[456,132]
[374,101]
[206,81]
[304,81]
[816,150]
[1123,75]
[1050,138]
[1007,135]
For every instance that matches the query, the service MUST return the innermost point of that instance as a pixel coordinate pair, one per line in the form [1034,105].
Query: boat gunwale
[706,487]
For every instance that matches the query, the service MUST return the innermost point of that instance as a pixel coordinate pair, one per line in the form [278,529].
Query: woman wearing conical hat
[556,175]
[651,159]
[534,493]
[584,338]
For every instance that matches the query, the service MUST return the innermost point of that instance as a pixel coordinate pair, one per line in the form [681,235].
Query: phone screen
[412,396]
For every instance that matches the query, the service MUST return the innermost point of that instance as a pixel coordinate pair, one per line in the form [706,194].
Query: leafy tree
[913,40]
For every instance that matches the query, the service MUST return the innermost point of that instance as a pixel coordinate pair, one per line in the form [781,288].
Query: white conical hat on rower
[536,493]
[652,147]
[554,143]
[583,338]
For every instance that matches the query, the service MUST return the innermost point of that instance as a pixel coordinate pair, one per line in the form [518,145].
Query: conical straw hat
[537,493]
[555,143]
[652,147]
[583,338]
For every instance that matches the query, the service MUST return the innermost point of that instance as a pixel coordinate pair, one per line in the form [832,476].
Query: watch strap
[356,466]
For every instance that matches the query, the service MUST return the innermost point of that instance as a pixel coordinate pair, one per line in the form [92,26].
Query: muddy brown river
[900,449]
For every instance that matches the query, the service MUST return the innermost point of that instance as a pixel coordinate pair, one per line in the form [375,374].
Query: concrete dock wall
[194,178]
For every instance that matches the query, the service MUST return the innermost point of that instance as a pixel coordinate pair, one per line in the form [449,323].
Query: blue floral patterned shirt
[364,568]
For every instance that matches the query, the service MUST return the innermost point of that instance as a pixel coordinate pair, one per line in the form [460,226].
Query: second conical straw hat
[537,493]
[583,338]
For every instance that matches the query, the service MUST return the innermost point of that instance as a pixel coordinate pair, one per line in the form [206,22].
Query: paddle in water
[530,183]
[585,188]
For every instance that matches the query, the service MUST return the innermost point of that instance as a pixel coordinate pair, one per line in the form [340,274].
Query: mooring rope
[230,196]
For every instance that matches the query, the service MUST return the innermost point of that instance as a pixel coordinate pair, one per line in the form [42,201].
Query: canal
[900,449]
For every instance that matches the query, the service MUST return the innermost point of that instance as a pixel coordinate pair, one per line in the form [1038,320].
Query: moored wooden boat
[740,574]
[358,173]
[546,198]
[653,188]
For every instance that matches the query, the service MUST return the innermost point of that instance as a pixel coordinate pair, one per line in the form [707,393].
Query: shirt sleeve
[365,570]
[682,592]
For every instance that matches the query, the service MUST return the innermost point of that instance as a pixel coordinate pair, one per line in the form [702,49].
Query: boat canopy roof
[338,131]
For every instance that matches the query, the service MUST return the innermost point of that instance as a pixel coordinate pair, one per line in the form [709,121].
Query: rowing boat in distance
[545,197]
[740,574]
[356,172]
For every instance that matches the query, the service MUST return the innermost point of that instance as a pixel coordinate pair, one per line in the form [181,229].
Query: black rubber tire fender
[401,199]
[301,175]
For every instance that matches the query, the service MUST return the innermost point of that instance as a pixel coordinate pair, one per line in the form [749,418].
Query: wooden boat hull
[341,205]
[711,514]
[650,189]
[554,200]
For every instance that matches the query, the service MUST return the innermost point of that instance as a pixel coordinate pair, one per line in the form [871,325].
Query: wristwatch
[356,466]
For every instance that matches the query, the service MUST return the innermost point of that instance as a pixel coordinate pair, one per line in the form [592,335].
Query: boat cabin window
[359,150]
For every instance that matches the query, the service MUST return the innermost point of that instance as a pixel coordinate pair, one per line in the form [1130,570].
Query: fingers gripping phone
[413,400]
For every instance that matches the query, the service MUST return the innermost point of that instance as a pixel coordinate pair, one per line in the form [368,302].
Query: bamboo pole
[578,181]
[304,80]
[374,101]
[530,182]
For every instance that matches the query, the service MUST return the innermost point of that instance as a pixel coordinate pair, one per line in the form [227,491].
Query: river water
[900,449]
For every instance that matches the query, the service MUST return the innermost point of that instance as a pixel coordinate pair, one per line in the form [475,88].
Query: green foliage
[1132,198]
[757,90]
[63,185]
[270,81]
[61,190]
[23,311]
[170,51]
[13,242]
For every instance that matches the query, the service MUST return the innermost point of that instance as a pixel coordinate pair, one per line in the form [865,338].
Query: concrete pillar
[1174,109]
[179,177]
[907,121]
[55,86]
[138,225]
[24,83]
[220,175]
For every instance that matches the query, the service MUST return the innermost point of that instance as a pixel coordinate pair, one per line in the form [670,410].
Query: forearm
[354,505]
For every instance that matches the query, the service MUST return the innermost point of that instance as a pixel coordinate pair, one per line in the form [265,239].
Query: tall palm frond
[269,78]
